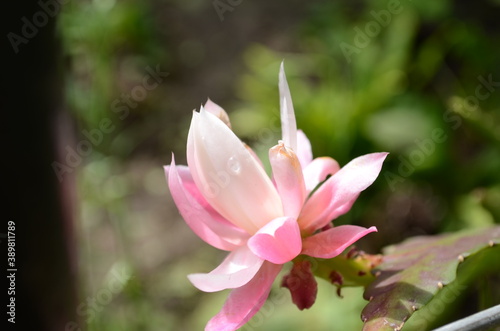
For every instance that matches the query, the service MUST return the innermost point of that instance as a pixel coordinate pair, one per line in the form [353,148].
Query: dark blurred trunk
[39,205]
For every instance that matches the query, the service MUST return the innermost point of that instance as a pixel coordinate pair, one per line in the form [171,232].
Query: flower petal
[288,123]
[287,174]
[278,241]
[244,302]
[304,150]
[218,111]
[228,175]
[190,186]
[237,269]
[200,217]
[342,209]
[339,190]
[318,170]
[332,242]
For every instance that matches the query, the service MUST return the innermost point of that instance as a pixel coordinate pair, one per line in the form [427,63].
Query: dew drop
[234,165]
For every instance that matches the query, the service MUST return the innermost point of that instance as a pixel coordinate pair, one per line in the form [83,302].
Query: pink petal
[318,170]
[342,209]
[192,189]
[218,111]
[340,189]
[332,242]
[228,176]
[244,302]
[288,123]
[200,217]
[189,185]
[278,241]
[304,150]
[237,269]
[289,180]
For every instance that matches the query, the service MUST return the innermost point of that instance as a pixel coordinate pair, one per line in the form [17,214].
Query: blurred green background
[419,79]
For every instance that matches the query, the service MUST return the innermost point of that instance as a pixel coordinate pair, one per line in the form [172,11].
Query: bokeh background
[418,79]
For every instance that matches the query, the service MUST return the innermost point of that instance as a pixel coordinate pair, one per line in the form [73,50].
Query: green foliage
[418,76]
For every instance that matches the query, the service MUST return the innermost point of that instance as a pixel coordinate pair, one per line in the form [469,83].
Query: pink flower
[227,199]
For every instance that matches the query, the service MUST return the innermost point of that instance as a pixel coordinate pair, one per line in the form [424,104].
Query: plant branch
[484,320]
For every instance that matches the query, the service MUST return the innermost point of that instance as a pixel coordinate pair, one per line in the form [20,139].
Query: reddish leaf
[412,272]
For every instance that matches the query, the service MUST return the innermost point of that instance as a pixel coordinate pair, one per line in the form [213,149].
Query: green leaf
[413,272]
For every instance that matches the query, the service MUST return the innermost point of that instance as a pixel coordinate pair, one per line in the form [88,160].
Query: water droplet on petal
[234,165]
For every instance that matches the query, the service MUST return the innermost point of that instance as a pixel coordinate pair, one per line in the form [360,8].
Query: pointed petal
[237,269]
[190,186]
[187,182]
[341,188]
[332,242]
[278,241]
[342,209]
[304,150]
[288,123]
[218,111]
[287,174]
[201,218]
[244,302]
[318,170]
[228,176]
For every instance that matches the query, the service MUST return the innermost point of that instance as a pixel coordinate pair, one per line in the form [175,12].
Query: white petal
[288,124]
[228,176]
[237,269]
[218,111]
